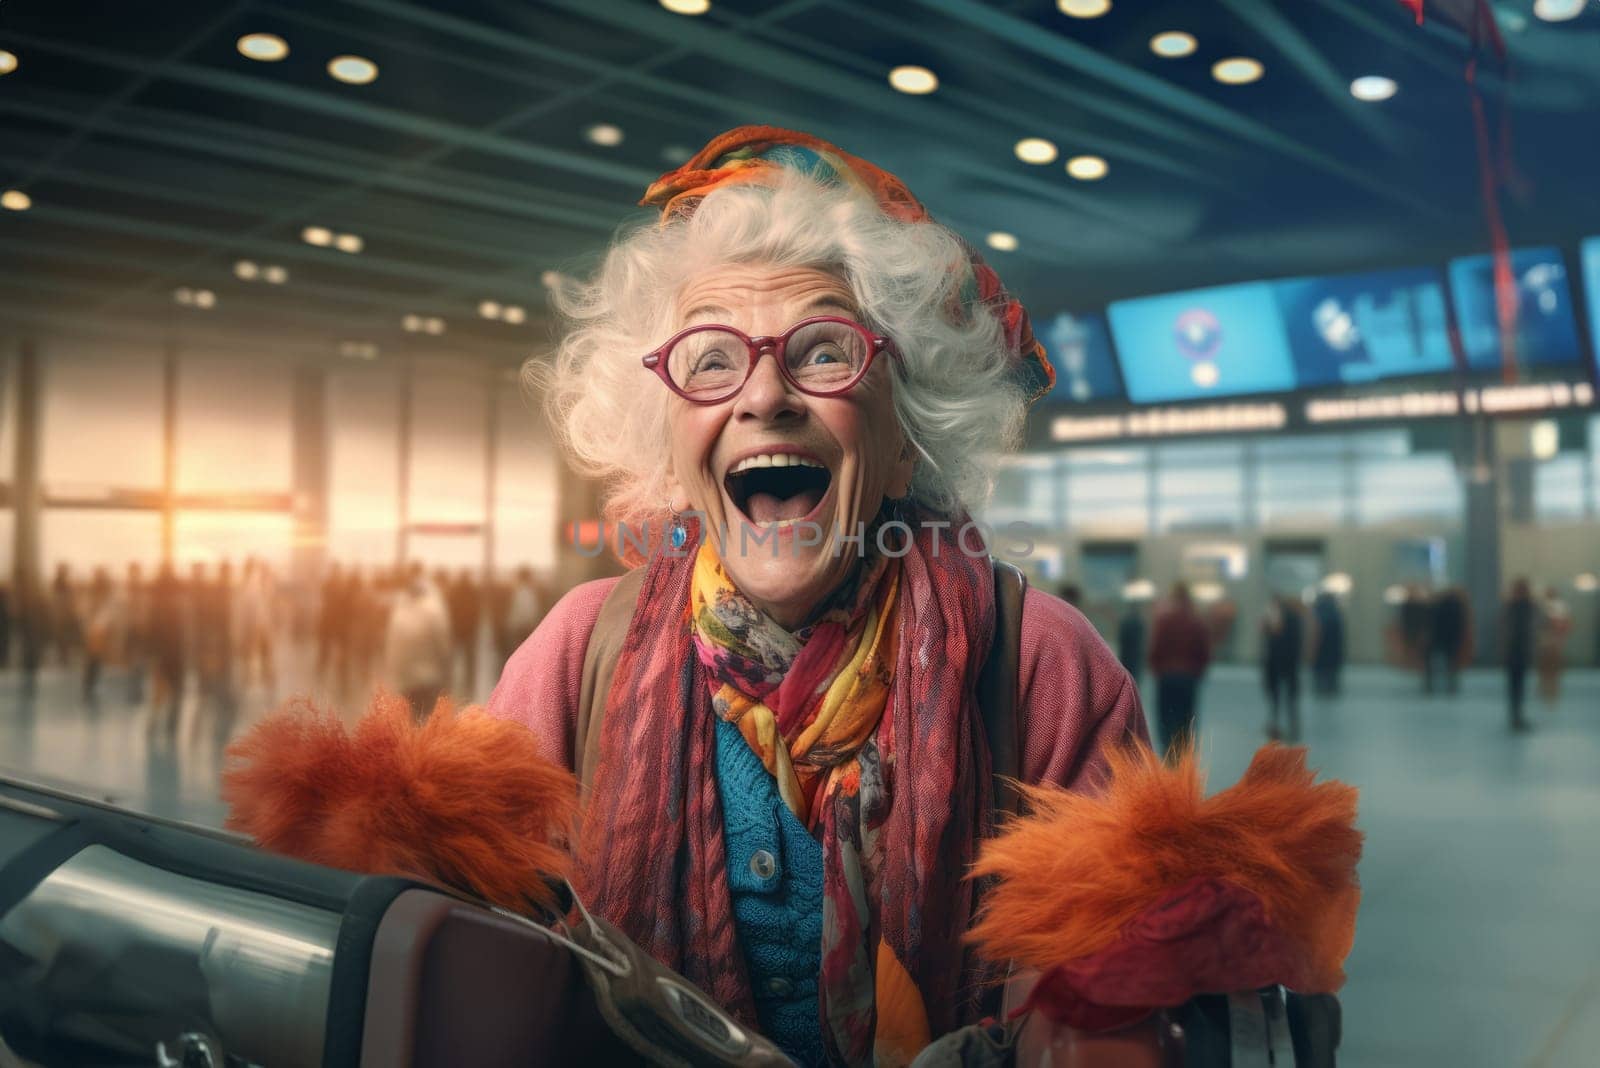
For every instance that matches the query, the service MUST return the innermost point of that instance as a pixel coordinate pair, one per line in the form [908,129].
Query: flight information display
[1205,343]
[1079,347]
[1546,332]
[1591,289]
[1354,328]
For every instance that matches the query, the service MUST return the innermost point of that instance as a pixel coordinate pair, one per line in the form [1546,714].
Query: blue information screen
[1356,328]
[1547,334]
[1079,347]
[1591,289]
[1218,342]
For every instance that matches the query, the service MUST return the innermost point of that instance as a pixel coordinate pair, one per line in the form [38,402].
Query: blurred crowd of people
[1180,640]
[216,632]
[1433,634]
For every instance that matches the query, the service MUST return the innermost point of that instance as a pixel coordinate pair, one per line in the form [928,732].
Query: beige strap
[599,664]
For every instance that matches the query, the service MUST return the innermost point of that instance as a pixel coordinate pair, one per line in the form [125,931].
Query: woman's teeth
[778,459]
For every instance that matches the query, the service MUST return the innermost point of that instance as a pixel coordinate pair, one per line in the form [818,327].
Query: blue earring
[679,535]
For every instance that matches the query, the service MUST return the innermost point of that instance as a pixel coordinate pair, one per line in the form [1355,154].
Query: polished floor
[1479,938]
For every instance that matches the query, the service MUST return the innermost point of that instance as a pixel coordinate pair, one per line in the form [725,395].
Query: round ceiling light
[550,279]
[246,270]
[275,275]
[352,70]
[489,309]
[1001,241]
[1237,70]
[1558,10]
[265,47]
[320,236]
[604,134]
[1036,150]
[204,298]
[1083,9]
[687,7]
[350,243]
[1087,168]
[513,314]
[8,61]
[1174,44]
[918,81]
[15,200]
[1373,87]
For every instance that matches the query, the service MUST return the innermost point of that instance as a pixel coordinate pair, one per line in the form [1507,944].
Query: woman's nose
[767,395]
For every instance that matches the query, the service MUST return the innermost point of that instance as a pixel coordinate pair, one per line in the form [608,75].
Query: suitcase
[127,939]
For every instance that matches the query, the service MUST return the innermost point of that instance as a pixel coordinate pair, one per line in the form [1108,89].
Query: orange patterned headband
[755,153]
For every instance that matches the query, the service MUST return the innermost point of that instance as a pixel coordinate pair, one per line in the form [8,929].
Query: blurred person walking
[136,633]
[524,611]
[1327,661]
[5,626]
[105,626]
[417,644]
[1519,624]
[168,643]
[1130,640]
[1416,619]
[1180,650]
[1555,623]
[66,619]
[466,618]
[256,601]
[1446,642]
[332,653]
[1282,645]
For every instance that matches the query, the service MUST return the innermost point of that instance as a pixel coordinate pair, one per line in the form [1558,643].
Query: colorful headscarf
[757,153]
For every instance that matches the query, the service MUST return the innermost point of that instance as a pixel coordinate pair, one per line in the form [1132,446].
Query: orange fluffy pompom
[462,799]
[1077,870]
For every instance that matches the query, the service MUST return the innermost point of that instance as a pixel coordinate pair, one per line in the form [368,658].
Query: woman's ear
[677,499]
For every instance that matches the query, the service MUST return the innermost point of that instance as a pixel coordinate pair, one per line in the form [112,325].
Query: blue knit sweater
[775,874]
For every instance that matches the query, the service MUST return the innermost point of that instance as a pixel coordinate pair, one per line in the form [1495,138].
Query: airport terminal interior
[1320,283]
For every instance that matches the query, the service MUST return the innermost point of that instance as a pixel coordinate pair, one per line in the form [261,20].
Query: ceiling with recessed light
[453,157]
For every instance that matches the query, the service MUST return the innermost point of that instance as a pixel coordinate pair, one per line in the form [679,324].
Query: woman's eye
[824,354]
[715,360]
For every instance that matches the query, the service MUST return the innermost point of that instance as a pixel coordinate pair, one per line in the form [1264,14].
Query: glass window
[1108,488]
[1300,489]
[101,420]
[448,448]
[527,474]
[1424,485]
[87,538]
[1200,486]
[215,537]
[234,427]
[1558,487]
[363,410]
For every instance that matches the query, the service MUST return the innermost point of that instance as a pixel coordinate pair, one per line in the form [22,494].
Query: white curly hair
[956,398]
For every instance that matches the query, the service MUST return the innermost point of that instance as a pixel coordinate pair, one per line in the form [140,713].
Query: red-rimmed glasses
[823,357]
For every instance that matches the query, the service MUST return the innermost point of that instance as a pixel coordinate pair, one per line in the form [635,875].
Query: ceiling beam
[1073,55]
[331,105]
[1324,77]
[246,144]
[787,67]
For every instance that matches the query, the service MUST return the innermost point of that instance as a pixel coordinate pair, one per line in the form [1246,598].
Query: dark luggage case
[126,939]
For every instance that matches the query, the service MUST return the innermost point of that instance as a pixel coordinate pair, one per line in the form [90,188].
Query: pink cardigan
[1075,697]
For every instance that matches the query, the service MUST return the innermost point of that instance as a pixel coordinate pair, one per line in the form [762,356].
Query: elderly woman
[785,764]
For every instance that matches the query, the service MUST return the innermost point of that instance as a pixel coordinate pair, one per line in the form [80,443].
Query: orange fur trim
[462,799]
[1077,870]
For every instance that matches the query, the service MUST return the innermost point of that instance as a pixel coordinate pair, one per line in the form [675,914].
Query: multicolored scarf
[806,701]
[899,806]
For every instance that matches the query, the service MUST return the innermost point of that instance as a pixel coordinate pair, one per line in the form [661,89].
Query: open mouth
[782,488]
